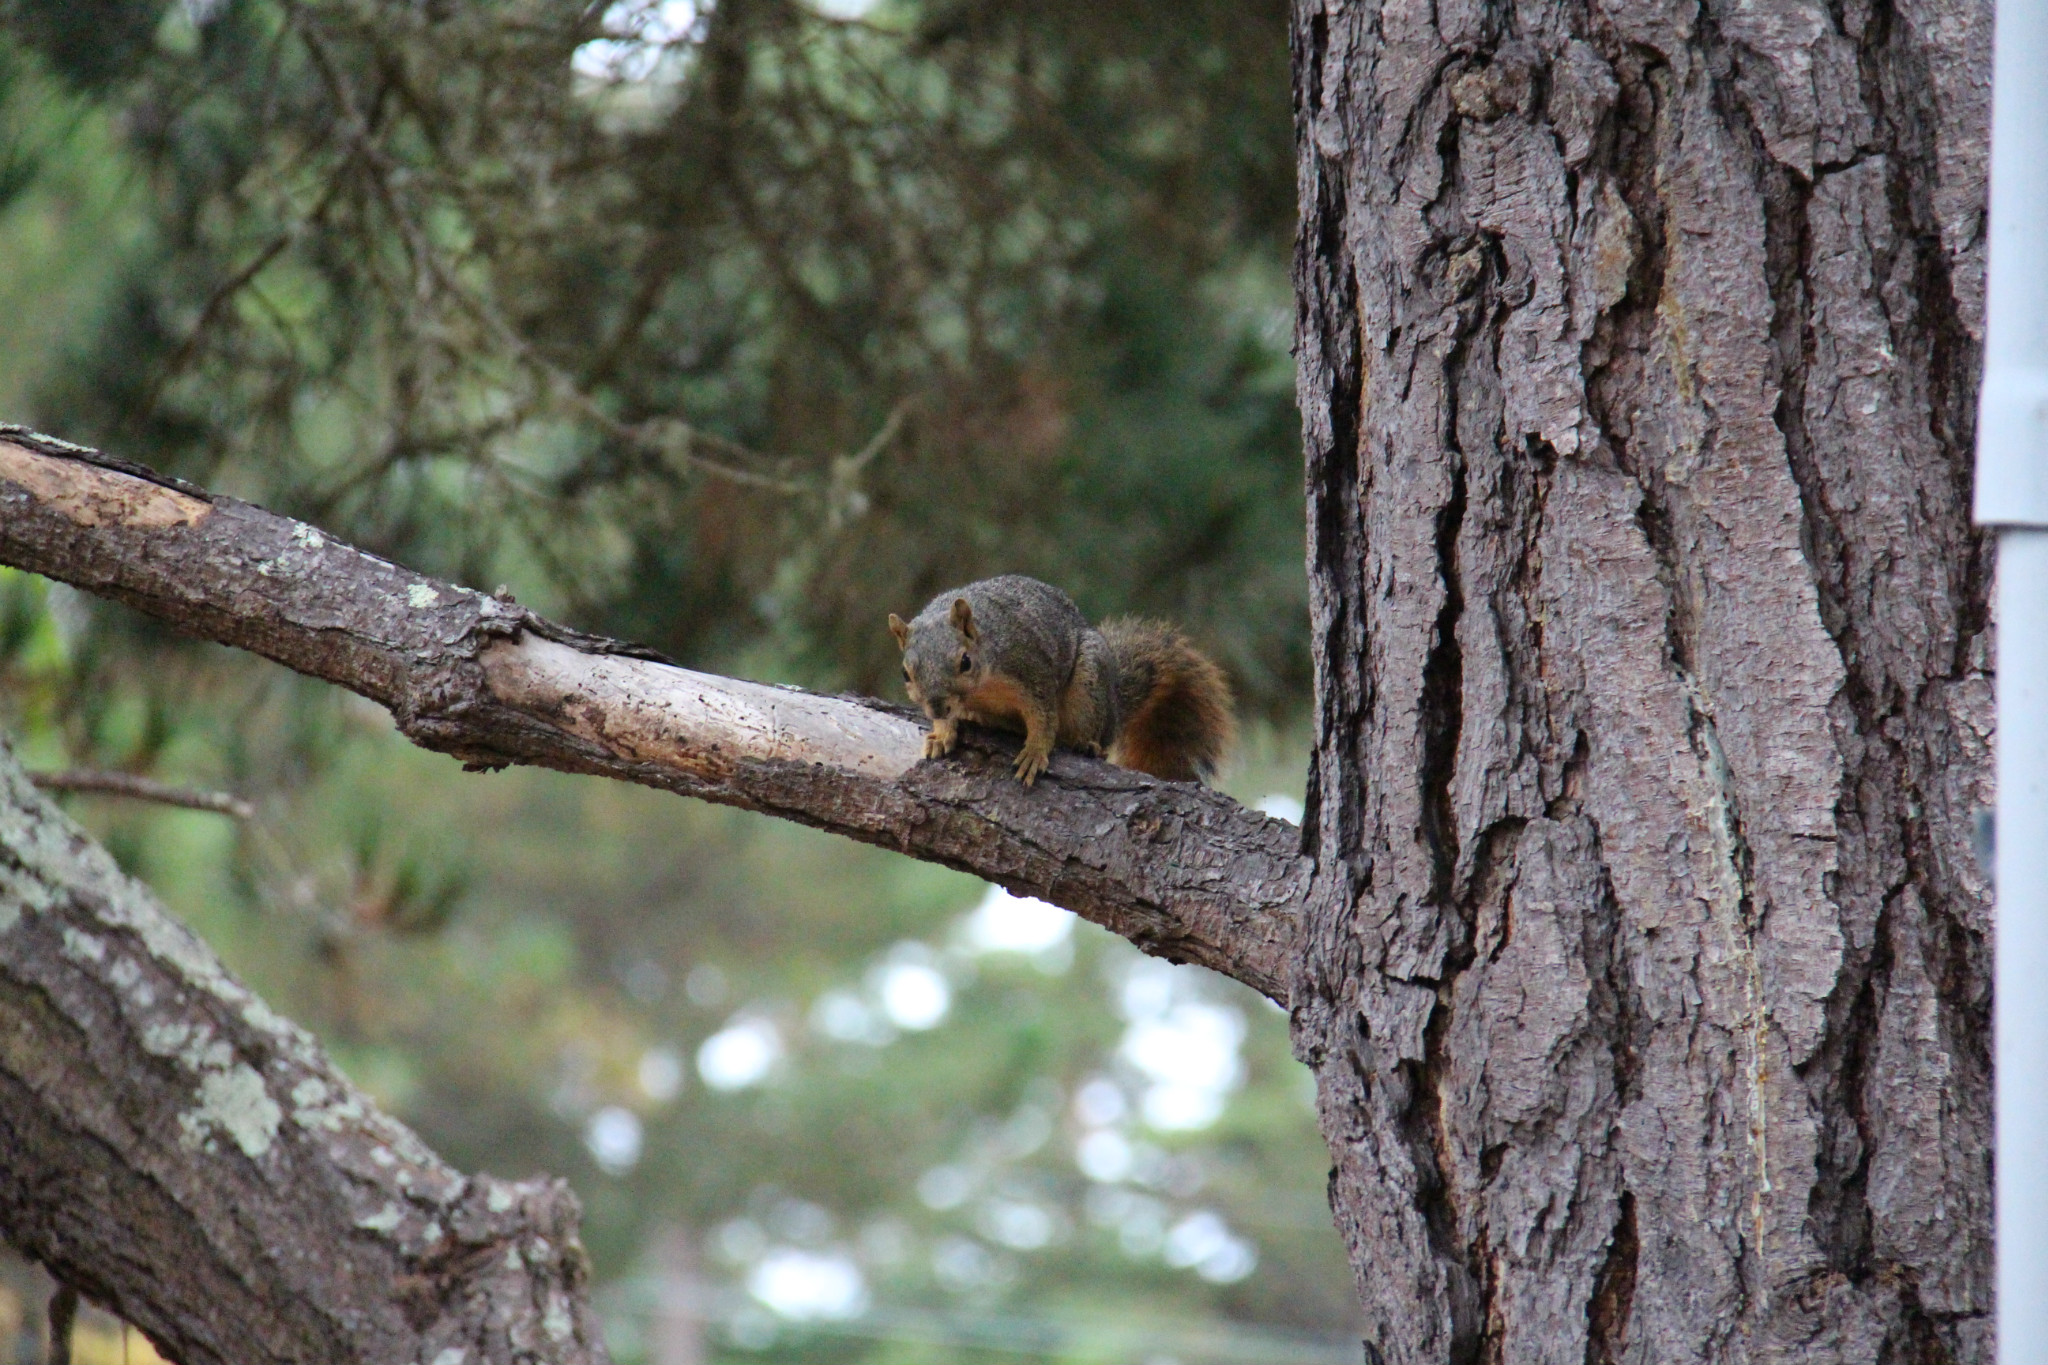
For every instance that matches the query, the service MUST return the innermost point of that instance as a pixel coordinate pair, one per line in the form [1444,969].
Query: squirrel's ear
[963,617]
[899,628]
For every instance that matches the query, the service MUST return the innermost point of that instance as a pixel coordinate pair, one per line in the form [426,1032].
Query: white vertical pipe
[2020,1023]
[2012,495]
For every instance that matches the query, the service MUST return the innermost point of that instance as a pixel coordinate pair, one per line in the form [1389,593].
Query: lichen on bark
[182,1155]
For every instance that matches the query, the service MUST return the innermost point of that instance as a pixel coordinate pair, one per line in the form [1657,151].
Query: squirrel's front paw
[1031,763]
[941,740]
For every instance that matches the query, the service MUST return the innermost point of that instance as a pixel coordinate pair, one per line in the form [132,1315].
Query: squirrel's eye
[966,664]
[906,672]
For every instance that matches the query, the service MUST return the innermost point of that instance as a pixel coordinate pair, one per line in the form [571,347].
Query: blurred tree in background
[745,324]
[727,329]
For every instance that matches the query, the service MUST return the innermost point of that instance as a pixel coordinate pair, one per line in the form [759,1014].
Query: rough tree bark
[174,1150]
[1645,969]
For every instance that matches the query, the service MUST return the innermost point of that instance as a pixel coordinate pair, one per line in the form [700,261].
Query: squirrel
[1017,654]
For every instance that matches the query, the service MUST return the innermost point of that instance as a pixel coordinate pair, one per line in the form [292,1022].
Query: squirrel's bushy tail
[1174,711]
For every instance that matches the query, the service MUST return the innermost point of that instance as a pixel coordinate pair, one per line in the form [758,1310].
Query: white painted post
[2012,495]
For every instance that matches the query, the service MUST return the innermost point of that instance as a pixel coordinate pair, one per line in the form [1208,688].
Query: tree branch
[181,1155]
[138,788]
[1181,871]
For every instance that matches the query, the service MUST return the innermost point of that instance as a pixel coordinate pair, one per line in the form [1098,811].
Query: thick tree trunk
[1646,968]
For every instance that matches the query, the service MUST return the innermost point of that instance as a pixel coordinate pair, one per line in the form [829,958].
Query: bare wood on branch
[1181,871]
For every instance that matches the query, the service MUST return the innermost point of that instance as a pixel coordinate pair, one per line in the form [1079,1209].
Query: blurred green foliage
[635,346]
[729,330]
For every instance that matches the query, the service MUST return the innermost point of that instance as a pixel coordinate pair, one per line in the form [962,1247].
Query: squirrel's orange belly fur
[998,702]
